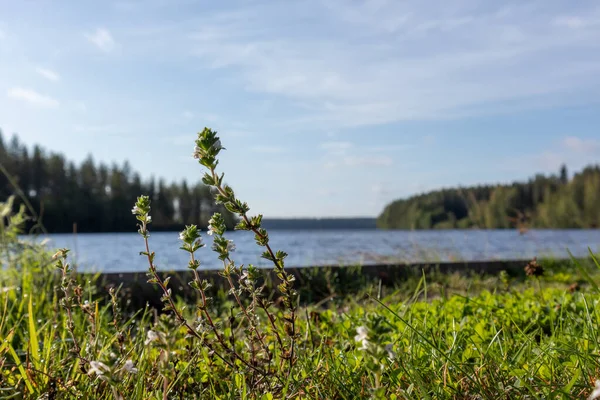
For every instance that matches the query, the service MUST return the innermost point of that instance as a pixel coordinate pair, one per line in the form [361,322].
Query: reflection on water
[119,252]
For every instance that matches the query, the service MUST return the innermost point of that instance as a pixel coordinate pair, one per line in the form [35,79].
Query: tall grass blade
[33,336]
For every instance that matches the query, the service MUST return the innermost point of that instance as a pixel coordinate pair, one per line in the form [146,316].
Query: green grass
[452,336]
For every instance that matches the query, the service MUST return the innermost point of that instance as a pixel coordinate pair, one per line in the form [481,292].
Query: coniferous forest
[555,201]
[95,196]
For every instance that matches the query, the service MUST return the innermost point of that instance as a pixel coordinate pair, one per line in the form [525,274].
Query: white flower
[129,367]
[151,336]
[390,351]
[136,210]
[230,246]
[211,228]
[596,393]
[361,333]
[197,152]
[362,336]
[98,368]
[181,235]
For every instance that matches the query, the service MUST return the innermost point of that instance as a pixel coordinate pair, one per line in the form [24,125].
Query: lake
[119,252]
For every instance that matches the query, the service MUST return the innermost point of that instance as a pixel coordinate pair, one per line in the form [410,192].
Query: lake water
[119,252]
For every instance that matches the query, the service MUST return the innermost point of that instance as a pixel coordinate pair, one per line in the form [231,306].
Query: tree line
[554,201]
[95,197]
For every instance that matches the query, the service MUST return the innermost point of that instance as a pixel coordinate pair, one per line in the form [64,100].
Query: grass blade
[33,337]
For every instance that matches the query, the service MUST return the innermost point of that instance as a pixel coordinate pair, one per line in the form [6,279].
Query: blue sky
[326,108]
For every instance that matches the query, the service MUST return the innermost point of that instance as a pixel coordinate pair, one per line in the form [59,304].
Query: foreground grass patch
[536,338]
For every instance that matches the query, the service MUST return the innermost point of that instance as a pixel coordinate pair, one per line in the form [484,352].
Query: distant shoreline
[320,223]
[307,227]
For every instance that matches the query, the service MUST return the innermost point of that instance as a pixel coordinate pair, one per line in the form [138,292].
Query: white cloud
[106,129]
[103,39]
[428,140]
[380,189]
[359,161]
[574,22]
[182,140]
[570,22]
[336,148]
[572,151]
[382,161]
[207,117]
[549,160]
[375,62]
[327,191]
[201,118]
[80,106]
[579,145]
[345,154]
[267,149]
[48,74]
[236,133]
[385,149]
[32,97]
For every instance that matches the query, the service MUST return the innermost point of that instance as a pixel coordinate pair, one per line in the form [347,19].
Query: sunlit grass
[447,336]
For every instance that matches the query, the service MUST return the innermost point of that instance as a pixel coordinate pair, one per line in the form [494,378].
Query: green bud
[142,206]
[216,225]
[190,234]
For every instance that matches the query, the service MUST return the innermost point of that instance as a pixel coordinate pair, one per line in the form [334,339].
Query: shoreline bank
[315,283]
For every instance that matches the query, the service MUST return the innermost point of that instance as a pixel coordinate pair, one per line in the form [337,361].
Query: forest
[94,197]
[554,201]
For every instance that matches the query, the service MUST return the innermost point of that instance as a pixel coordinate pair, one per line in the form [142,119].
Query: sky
[325,107]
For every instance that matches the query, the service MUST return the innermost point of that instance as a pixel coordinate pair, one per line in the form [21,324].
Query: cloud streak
[48,74]
[267,149]
[579,145]
[379,62]
[32,97]
[574,151]
[102,39]
[344,154]
[336,148]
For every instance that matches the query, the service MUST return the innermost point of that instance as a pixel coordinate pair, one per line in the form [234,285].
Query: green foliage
[542,202]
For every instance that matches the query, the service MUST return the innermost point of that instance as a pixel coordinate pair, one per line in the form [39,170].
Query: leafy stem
[262,238]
